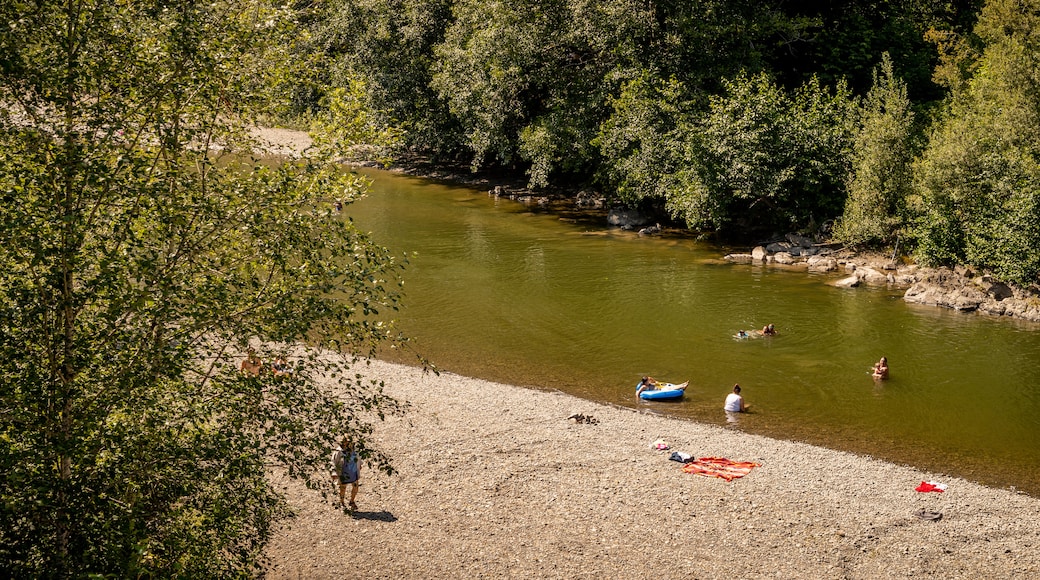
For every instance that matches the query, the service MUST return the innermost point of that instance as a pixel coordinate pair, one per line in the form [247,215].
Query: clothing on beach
[927,486]
[680,456]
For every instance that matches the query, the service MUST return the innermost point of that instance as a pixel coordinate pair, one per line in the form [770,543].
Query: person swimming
[880,369]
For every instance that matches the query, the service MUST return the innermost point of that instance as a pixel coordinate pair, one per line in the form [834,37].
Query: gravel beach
[495,481]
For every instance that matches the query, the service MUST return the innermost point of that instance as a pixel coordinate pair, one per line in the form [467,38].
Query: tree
[531,82]
[390,44]
[527,80]
[977,179]
[644,140]
[881,179]
[763,159]
[144,250]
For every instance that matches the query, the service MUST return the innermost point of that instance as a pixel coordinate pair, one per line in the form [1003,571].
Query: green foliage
[766,159]
[978,177]
[880,182]
[349,129]
[389,44]
[143,250]
[526,80]
[532,83]
[575,90]
[842,38]
[551,87]
[644,140]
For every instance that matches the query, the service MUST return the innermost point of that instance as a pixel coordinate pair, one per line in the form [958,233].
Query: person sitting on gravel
[280,367]
[252,365]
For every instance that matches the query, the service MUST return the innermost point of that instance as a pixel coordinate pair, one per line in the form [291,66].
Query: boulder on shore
[944,287]
[822,264]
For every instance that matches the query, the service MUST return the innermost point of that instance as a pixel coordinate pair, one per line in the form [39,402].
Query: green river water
[501,291]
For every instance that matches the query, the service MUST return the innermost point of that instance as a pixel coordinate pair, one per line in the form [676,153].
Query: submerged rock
[739,258]
[848,282]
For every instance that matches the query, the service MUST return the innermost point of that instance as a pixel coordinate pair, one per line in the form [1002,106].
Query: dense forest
[904,122]
[149,249]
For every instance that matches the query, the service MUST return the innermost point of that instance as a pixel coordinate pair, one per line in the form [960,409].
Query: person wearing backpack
[347,471]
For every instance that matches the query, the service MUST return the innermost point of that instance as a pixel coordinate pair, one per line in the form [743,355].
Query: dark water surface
[500,291]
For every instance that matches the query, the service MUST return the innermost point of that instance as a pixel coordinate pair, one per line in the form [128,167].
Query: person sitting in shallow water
[880,370]
[735,402]
[768,330]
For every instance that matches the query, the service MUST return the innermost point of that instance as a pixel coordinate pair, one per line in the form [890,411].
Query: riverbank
[961,289]
[496,481]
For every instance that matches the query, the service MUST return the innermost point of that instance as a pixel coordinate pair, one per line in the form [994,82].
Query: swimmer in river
[880,369]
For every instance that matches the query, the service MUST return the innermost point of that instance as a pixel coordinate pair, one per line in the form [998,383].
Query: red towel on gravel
[719,467]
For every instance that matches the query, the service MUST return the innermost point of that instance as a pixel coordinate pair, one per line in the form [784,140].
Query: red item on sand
[719,467]
[929,486]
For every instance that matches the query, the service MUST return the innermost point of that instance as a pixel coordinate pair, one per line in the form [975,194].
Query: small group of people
[767,330]
[254,366]
[734,400]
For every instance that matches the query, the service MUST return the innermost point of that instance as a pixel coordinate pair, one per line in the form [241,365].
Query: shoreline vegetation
[496,481]
[961,288]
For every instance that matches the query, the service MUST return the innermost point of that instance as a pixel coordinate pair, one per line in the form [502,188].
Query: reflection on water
[500,292]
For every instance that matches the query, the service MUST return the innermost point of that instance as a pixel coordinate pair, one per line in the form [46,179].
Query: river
[501,291]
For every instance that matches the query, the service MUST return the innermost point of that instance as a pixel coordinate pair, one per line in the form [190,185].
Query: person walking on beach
[735,402]
[345,459]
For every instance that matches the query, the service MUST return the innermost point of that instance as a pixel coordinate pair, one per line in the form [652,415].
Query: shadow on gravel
[383,516]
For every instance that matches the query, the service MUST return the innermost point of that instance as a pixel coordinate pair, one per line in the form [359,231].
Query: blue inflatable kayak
[664,392]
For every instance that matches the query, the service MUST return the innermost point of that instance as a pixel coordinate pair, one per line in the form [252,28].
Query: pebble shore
[496,482]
